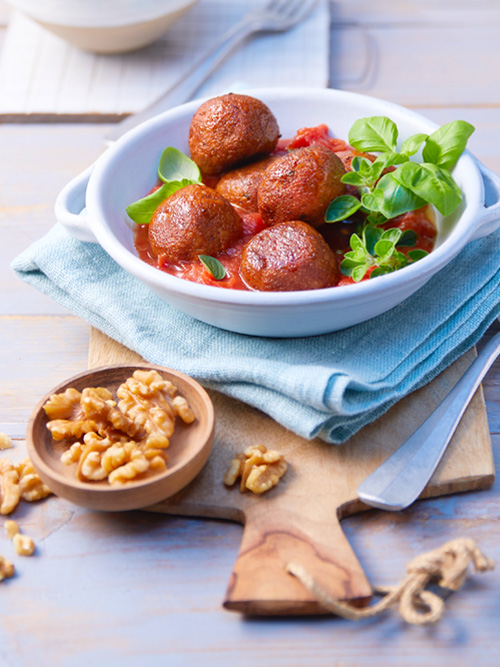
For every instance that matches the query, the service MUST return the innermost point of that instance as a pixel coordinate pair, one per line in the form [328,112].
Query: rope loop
[447,566]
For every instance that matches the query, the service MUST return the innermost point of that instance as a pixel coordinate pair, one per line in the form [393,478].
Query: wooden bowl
[188,451]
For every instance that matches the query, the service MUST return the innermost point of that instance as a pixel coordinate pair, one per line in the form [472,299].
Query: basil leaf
[413,143]
[348,264]
[372,200]
[376,133]
[213,266]
[371,235]
[393,234]
[432,184]
[380,271]
[142,210]
[352,178]
[356,243]
[176,166]
[384,248]
[361,164]
[444,146]
[408,238]
[341,208]
[397,198]
[359,273]
[383,162]
[417,254]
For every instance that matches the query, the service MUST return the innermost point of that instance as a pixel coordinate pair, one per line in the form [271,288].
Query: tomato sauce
[336,234]
[194,270]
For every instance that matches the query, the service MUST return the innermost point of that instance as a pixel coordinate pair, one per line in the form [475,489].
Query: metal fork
[399,481]
[275,16]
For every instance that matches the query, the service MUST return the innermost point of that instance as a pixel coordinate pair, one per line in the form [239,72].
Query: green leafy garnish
[377,133]
[377,249]
[405,186]
[341,208]
[142,210]
[176,166]
[176,170]
[444,146]
[213,266]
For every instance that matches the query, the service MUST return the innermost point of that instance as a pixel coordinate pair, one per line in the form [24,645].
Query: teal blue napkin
[328,386]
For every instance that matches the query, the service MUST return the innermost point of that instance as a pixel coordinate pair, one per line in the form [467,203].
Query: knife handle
[399,481]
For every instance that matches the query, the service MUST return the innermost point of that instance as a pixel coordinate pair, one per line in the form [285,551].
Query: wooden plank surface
[142,589]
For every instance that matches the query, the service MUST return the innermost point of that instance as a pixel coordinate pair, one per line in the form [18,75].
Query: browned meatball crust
[286,257]
[193,221]
[240,185]
[231,129]
[300,186]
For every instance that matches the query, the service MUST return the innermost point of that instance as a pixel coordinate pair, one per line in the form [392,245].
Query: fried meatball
[300,186]
[229,130]
[286,257]
[240,186]
[193,221]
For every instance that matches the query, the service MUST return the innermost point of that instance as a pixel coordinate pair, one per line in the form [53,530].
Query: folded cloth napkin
[328,386]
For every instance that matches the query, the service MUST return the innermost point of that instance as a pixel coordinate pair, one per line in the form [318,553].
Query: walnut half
[258,468]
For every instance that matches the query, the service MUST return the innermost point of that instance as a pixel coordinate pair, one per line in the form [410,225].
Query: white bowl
[105,26]
[129,169]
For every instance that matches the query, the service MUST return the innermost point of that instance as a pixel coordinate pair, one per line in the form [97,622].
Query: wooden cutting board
[299,520]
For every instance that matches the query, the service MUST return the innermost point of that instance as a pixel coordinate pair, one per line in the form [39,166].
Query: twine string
[447,565]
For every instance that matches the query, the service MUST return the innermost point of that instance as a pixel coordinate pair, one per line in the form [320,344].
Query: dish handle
[489,220]
[70,207]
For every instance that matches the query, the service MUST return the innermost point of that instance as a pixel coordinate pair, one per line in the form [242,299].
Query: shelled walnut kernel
[5,441]
[19,481]
[258,468]
[6,569]
[118,440]
[23,545]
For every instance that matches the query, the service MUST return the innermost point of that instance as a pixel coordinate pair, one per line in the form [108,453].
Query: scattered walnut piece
[10,493]
[181,408]
[5,441]
[235,469]
[31,486]
[19,481]
[23,545]
[118,441]
[6,569]
[11,528]
[258,468]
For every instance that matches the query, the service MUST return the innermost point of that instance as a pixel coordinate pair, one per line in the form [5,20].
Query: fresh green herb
[176,170]
[444,146]
[176,166]
[405,186]
[213,266]
[341,208]
[377,250]
[142,210]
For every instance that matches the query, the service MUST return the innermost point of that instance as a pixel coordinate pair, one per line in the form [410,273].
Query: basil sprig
[407,186]
[176,170]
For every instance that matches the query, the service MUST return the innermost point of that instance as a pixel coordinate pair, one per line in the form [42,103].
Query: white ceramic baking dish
[127,171]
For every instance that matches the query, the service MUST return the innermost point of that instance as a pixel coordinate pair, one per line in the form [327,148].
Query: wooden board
[299,520]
